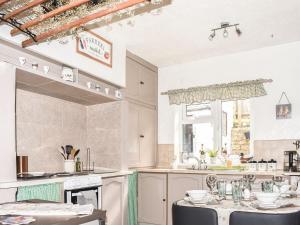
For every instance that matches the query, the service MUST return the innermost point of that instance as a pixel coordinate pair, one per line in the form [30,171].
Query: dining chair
[184,215]
[251,218]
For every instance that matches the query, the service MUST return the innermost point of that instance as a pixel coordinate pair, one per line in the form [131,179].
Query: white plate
[263,205]
[196,202]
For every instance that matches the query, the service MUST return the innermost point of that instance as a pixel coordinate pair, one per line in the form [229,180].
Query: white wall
[280,63]
[67,54]
[7,129]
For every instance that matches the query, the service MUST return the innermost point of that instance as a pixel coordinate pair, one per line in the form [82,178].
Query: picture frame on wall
[283,111]
[95,47]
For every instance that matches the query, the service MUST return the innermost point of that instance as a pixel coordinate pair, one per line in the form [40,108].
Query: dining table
[225,207]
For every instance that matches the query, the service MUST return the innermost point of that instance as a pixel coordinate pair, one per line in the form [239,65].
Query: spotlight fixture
[238,31]
[225,33]
[224,26]
[211,36]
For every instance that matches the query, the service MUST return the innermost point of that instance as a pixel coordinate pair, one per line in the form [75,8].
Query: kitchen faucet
[196,158]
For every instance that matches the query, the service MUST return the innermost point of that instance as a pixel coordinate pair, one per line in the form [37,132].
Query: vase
[213,160]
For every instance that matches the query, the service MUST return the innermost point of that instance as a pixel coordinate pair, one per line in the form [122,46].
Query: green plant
[212,153]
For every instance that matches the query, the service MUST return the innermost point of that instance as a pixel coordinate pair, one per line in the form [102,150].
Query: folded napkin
[45,209]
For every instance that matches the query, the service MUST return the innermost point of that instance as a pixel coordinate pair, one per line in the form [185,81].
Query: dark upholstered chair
[250,218]
[184,215]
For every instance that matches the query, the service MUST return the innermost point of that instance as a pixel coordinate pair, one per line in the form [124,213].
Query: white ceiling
[180,33]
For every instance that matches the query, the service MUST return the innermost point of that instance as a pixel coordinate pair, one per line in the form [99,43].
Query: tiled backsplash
[263,149]
[45,123]
[165,155]
[273,149]
[104,134]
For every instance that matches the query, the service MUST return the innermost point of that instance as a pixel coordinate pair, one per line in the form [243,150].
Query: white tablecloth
[226,207]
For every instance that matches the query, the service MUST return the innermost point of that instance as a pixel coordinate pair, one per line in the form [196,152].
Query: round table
[226,207]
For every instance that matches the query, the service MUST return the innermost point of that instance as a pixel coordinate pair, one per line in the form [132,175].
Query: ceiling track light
[224,26]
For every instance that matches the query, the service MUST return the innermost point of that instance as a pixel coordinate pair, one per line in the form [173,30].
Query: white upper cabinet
[141,83]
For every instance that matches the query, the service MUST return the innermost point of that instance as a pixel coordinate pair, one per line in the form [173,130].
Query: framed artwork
[283,111]
[95,47]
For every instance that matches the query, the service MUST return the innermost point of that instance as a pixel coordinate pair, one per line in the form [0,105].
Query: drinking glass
[236,191]
[267,186]
[221,185]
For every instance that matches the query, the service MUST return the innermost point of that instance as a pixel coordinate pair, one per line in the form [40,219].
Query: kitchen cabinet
[141,82]
[141,94]
[7,129]
[178,184]
[141,136]
[152,197]
[114,200]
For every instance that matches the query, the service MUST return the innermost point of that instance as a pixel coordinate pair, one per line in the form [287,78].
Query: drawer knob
[142,82]
[142,136]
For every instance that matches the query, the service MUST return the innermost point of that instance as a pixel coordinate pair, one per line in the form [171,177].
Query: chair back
[250,218]
[184,215]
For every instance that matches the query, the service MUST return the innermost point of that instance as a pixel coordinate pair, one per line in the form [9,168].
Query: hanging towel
[48,192]
[132,199]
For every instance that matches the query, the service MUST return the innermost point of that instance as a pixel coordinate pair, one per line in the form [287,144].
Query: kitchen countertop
[218,172]
[22,183]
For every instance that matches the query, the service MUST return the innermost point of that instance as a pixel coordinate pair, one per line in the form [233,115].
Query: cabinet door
[132,78]
[178,184]
[147,126]
[148,86]
[133,135]
[114,194]
[152,198]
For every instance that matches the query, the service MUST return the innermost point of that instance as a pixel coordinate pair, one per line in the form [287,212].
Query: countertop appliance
[290,161]
[83,190]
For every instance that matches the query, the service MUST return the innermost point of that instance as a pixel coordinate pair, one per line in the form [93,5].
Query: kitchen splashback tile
[43,125]
[273,149]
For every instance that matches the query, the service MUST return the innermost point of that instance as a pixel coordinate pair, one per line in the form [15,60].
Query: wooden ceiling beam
[24,8]
[3,1]
[48,15]
[81,21]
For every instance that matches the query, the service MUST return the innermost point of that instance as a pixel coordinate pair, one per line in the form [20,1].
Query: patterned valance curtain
[230,91]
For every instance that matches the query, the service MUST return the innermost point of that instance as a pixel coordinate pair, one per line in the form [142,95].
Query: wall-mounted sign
[95,47]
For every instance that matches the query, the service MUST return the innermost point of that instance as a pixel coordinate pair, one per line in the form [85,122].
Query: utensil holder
[69,166]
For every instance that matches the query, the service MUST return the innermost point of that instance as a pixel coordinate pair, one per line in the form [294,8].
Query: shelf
[38,82]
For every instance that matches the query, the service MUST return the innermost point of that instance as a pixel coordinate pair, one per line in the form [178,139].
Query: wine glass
[211,181]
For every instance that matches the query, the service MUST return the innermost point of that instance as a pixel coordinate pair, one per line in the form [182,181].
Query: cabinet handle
[142,82]
[142,136]
[164,200]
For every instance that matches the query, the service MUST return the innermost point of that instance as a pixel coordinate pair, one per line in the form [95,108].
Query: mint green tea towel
[132,199]
[48,192]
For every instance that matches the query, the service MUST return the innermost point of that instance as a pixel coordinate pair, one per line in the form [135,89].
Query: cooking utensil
[68,150]
[76,153]
[63,155]
[64,151]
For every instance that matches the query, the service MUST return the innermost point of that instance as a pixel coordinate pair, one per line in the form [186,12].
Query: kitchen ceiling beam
[3,1]
[48,15]
[24,8]
[83,20]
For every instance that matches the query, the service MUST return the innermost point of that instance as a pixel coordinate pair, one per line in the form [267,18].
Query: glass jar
[272,165]
[252,166]
[262,165]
